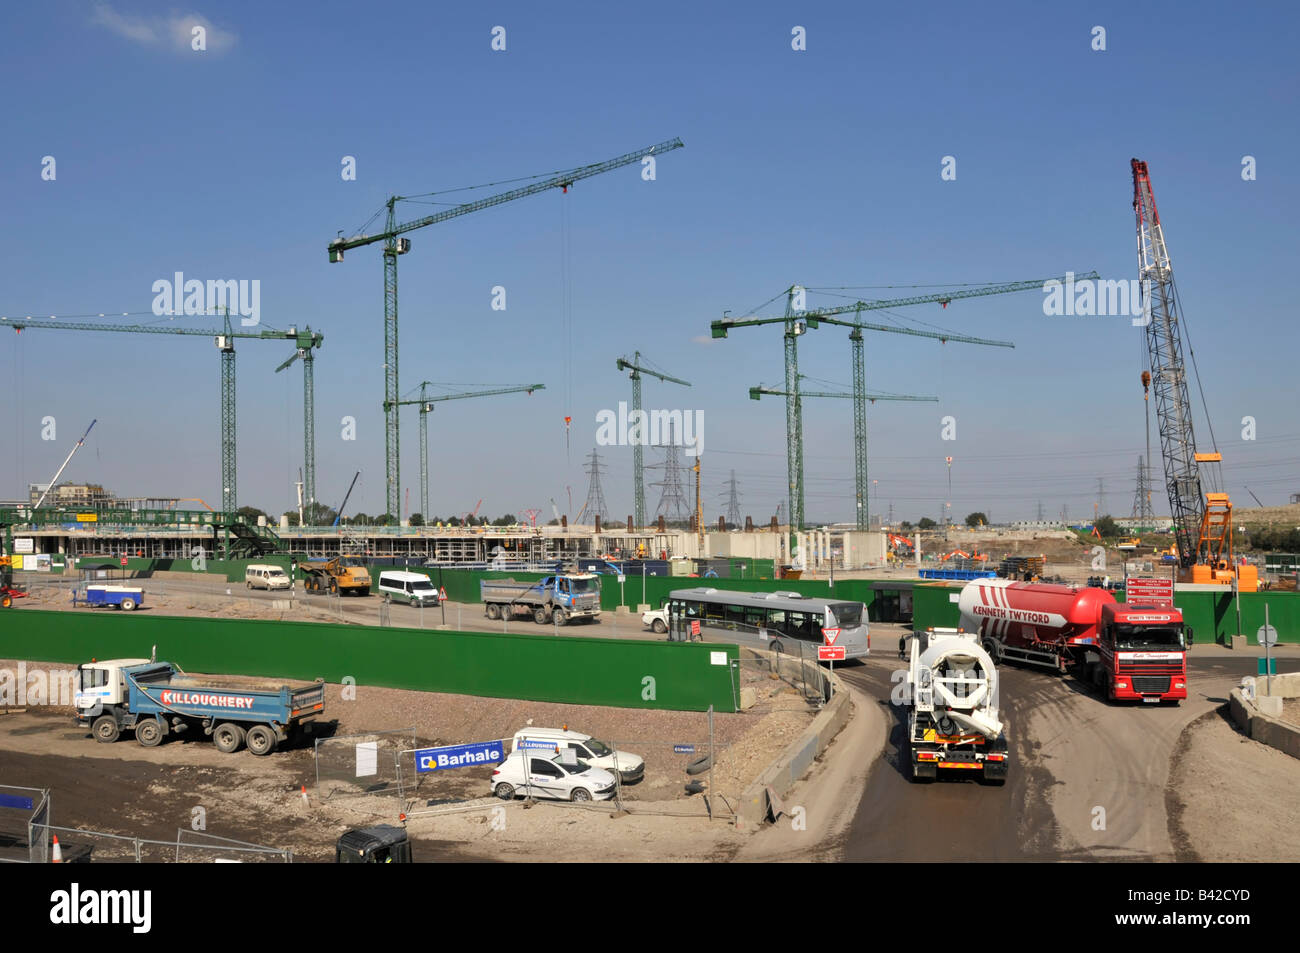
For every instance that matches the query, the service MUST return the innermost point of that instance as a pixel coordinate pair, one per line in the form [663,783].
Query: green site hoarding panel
[569,669]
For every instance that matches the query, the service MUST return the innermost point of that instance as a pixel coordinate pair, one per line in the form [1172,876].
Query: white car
[656,619]
[551,741]
[540,774]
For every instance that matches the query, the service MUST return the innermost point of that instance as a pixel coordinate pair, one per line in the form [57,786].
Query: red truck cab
[1143,653]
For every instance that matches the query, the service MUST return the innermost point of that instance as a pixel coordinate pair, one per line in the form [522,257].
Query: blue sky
[819,167]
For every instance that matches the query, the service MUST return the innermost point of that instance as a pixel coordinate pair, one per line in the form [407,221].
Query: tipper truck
[1131,652]
[952,688]
[155,699]
[555,599]
[344,575]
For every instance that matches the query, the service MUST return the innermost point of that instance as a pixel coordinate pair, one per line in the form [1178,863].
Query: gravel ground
[259,799]
[1219,780]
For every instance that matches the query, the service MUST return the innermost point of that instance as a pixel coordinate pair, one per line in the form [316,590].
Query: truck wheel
[334,585]
[261,740]
[228,737]
[505,791]
[539,616]
[105,729]
[148,733]
[493,610]
[560,616]
[660,626]
[128,604]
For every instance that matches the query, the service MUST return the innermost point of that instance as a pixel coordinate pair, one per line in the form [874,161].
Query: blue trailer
[125,598]
[156,699]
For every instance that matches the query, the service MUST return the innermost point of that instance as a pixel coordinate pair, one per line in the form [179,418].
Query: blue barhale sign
[459,756]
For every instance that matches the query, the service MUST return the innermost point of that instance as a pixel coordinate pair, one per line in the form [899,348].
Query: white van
[412,587]
[631,767]
[266,577]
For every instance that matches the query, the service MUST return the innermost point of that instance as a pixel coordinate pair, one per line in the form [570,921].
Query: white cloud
[174,32]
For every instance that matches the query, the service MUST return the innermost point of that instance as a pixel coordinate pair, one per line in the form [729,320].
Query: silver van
[266,577]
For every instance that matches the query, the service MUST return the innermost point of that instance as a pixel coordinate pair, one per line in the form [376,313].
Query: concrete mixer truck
[952,688]
[1130,652]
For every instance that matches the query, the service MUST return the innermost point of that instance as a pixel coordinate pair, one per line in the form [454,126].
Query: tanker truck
[952,688]
[1130,652]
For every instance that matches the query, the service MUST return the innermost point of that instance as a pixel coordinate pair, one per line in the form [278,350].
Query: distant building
[68,494]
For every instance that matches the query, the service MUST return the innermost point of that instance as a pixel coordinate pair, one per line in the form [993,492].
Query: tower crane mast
[638,453]
[425,402]
[395,244]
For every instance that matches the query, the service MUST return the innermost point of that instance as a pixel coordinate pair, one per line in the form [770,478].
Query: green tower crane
[797,321]
[638,453]
[859,431]
[426,402]
[395,244]
[306,343]
[224,338]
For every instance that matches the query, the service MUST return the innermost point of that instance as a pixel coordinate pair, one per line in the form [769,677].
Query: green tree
[976,519]
[1107,526]
[926,523]
[417,519]
[251,513]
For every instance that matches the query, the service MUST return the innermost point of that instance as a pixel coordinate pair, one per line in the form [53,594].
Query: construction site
[668,528]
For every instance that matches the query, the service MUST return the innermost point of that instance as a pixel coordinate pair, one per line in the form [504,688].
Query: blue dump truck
[554,599]
[156,699]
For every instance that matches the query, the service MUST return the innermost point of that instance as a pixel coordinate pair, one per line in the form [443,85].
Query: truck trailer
[156,699]
[557,599]
[1130,652]
[953,723]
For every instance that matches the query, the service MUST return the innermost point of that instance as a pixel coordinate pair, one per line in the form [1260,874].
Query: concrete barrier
[1264,727]
[797,758]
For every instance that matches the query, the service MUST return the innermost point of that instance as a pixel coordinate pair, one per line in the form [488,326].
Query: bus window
[797,625]
[755,618]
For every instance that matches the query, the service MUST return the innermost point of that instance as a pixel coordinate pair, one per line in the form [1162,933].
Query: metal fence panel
[362,765]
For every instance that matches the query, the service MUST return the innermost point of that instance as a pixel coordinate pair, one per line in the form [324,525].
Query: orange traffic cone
[57,857]
[304,795]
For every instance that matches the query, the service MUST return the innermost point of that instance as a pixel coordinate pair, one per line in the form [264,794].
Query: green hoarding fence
[569,669]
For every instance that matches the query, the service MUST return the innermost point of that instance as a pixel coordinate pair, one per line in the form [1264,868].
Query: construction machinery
[797,320]
[8,591]
[395,244]
[1201,510]
[306,343]
[953,722]
[338,514]
[224,339]
[859,428]
[425,402]
[342,575]
[637,419]
[554,599]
